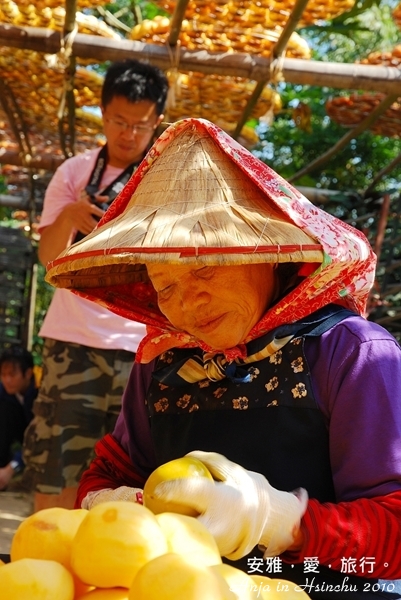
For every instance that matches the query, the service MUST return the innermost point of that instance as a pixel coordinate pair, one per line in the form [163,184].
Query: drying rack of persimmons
[47,96]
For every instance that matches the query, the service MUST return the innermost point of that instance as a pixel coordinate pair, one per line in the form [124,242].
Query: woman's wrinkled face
[218,305]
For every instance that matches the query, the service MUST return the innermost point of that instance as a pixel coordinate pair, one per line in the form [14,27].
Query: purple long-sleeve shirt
[356,376]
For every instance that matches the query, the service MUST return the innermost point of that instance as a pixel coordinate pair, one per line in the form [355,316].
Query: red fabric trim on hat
[190,251]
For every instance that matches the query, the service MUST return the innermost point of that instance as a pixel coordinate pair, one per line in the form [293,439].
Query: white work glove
[241,509]
[128,494]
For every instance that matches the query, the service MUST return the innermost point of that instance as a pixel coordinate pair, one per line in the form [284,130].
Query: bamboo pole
[20,130]
[289,28]
[112,20]
[68,99]
[176,22]
[278,50]
[297,71]
[382,224]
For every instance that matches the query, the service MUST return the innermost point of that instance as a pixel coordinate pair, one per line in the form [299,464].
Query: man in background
[17,393]
[88,351]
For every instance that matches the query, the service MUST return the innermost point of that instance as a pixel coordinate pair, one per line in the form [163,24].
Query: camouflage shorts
[78,402]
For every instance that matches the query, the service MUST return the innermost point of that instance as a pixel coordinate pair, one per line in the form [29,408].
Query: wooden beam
[303,72]
[317,195]
[46,162]
[70,11]
[252,101]
[19,203]
[381,226]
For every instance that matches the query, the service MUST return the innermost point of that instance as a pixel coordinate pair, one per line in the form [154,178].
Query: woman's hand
[241,509]
[6,474]
[123,492]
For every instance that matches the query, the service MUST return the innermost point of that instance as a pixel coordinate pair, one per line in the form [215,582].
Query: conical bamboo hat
[193,204]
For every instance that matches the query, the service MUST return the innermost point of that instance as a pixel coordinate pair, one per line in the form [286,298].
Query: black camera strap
[115,187]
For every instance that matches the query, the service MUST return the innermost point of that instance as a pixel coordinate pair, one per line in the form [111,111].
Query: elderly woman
[258,361]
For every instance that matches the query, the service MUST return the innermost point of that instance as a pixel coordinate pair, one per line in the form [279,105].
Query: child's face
[13,379]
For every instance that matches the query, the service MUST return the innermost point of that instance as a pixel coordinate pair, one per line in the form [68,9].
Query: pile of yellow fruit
[120,550]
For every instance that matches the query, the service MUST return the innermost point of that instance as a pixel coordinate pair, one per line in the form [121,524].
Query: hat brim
[191,201]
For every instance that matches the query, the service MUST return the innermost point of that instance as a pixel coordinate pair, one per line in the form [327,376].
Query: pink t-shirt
[69,317]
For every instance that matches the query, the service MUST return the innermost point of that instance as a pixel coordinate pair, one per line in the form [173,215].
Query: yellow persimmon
[47,534]
[105,594]
[238,581]
[36,579]
[113,542]
[171,577]
[189,537]
[179,468]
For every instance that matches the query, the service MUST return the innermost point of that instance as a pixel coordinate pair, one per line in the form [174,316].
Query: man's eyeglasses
[123,126]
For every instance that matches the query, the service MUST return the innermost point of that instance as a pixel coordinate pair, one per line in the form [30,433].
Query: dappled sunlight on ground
[14,508]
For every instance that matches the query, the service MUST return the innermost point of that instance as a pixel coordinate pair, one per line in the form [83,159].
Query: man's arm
[58,236]
[67,208]
[6,474]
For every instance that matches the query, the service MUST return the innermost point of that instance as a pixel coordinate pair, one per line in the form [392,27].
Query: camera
[91,193]
[102,205]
